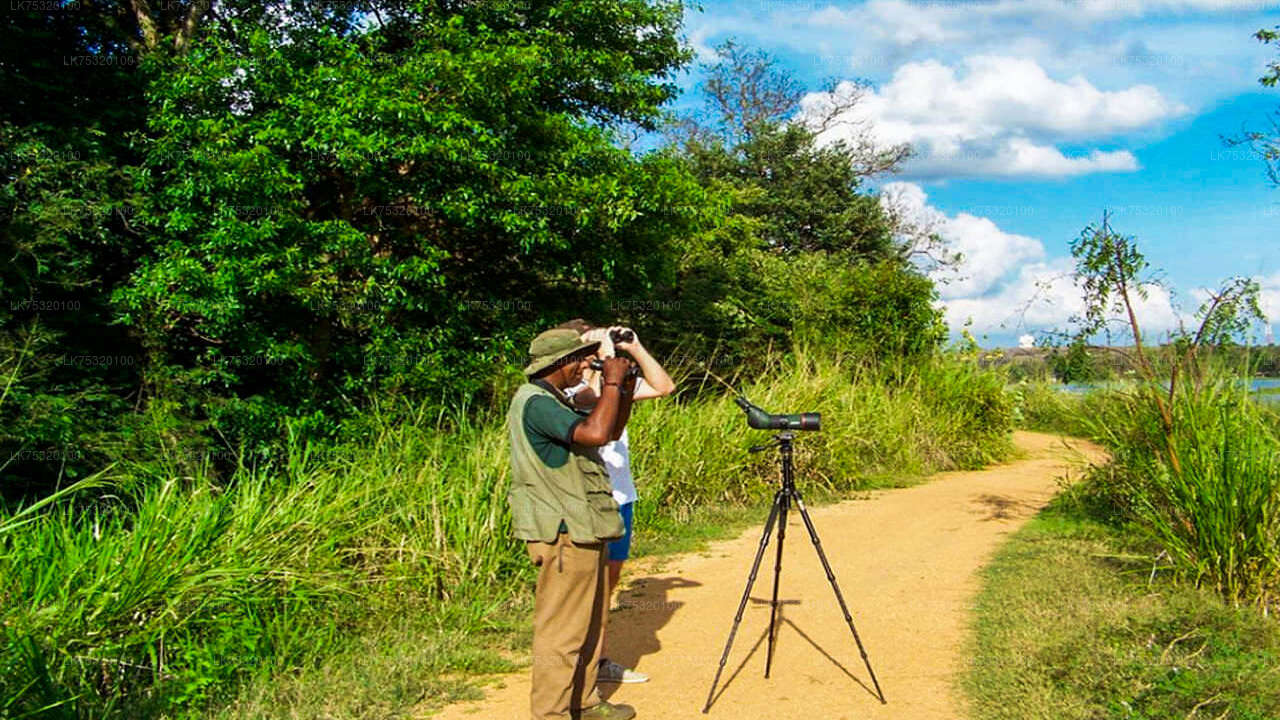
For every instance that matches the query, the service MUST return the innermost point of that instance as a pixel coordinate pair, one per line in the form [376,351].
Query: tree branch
[150,35]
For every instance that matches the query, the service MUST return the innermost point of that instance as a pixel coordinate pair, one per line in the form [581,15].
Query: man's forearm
[598,428]
[624,413]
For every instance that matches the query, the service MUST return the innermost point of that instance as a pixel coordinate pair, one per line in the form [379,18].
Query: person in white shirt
[653,382]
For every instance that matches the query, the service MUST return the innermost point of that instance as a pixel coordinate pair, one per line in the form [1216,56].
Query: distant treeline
[1087,363]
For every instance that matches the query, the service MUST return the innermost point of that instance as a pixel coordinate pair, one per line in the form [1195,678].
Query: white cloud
[1005,283]
[1195,52]
[1043,296]
[1270,297]
[988,253]
[1269,300]
[911,22]
[998,116]
[1017,157]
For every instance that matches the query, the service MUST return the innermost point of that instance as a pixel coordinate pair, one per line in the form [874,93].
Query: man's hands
[629,347]
[615,371]
[609,416]
[607,347]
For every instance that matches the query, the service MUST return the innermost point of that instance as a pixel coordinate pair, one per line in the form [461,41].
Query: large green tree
[293,206]
[805,247]
[803,194]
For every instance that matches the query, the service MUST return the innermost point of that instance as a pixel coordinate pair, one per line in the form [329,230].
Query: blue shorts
[620,549]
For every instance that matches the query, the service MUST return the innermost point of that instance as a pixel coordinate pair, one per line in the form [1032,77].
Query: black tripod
[781,504]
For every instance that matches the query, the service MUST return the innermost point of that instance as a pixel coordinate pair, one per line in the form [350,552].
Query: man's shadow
[644,608]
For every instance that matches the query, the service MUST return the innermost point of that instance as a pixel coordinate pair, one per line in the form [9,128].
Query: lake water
[1256,385]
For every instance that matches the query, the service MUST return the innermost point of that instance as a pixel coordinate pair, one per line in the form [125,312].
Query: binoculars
[598,365]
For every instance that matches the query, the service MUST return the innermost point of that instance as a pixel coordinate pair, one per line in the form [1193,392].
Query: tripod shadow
[764,635]
[644,608]
[835,662]
[783,620]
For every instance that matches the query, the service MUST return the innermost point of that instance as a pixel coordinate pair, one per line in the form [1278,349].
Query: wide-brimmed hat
[553,346]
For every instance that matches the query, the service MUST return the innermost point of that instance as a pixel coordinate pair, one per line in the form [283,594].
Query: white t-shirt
[617,460]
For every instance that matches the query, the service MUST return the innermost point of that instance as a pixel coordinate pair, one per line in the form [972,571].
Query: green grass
[1070,624]
[367,579]
[1216,511]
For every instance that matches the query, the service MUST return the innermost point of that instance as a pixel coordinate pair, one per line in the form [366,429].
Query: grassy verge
[427,657]
[362,580]
[1070,624]
[1202,482]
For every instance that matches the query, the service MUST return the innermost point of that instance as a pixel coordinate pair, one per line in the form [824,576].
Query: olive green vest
[577,493]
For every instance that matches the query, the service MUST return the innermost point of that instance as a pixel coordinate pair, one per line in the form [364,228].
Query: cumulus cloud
[912,22]
[996,116]
[988,254]
[1269,300]
[1271,296]
[1005,282]
[1043,296]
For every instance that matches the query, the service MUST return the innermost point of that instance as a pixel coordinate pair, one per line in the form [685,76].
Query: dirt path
[906,561]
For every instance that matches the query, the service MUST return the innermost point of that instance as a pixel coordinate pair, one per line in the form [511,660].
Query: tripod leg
[777,574]
[751,580]
[817,544]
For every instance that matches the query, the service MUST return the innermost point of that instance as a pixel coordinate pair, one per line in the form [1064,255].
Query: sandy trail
[906,561]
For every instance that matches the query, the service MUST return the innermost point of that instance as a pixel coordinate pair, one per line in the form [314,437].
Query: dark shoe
[608,711]
[612,672]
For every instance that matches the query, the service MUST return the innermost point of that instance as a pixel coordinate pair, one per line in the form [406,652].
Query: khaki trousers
[569,613]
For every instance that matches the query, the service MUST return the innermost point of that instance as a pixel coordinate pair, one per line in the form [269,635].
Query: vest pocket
[606,521]
[605,518]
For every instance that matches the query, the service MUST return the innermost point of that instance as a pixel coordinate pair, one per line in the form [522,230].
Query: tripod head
[781,440]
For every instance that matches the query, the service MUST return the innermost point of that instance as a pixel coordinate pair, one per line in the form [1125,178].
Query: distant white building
[1026,342]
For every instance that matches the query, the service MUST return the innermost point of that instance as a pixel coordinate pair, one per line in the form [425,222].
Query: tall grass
[1216,514]
[158,600]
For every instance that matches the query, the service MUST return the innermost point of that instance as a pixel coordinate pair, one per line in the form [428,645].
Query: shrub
[158,598]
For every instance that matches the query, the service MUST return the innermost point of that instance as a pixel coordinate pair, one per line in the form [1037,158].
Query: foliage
[801,248]
[1074,365]
[795,193]
[1194,456]
[1218,517]
[66,238]
[159,601]
[1266,144]
[351,217]
[240,221]
[1217,521]
[1111,271]
[241,215]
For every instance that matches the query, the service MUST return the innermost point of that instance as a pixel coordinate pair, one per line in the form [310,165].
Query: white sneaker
[612,672]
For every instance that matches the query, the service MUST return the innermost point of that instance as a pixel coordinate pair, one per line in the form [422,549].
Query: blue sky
[1030,116]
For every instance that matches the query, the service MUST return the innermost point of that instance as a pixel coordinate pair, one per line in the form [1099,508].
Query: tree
[804,196]
[1266,144]
[804,248]
[289,207]
[1113,275]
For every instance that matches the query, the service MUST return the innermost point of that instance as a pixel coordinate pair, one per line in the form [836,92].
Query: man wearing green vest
[562,506]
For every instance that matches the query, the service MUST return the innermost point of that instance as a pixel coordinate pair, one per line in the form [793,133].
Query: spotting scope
[761,420]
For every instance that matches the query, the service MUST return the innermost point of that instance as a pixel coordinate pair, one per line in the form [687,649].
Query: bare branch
[195,13]
[150,34]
